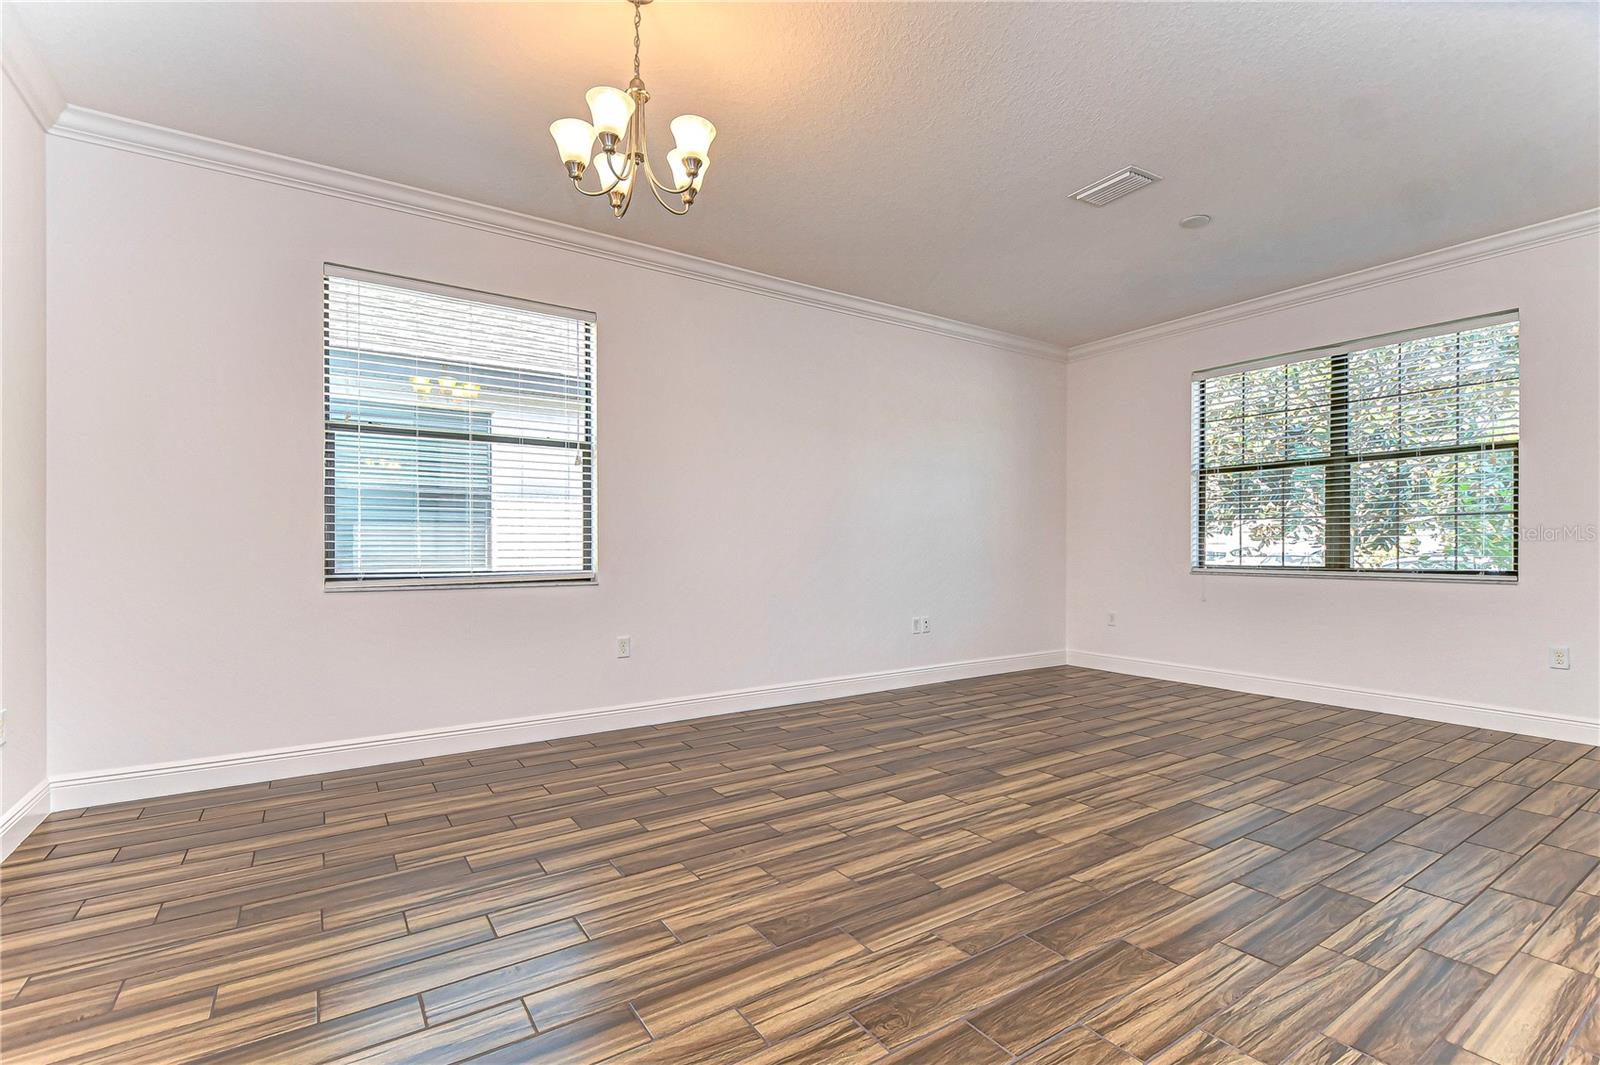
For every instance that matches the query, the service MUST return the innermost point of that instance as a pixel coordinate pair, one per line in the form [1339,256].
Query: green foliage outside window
[1397,457]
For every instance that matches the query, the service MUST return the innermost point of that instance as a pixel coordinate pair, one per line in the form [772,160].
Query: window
[1393,455]
[459,436]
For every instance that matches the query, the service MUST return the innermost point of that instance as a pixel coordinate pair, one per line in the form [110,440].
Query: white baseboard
[71,791]
[140,782]
[23,817]
[1504,719]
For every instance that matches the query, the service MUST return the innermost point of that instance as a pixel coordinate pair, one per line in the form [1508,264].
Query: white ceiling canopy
[924,155]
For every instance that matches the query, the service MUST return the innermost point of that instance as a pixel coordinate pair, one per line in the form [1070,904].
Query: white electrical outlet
[1111,620]
[926,627]
[1560,658]
[919,624]
[624,646]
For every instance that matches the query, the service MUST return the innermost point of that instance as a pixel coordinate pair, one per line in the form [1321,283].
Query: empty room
[1059,533]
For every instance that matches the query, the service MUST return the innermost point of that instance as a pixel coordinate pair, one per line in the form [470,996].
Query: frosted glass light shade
[694,135]
[609,181]
[680,173]
[612,109]
[574,137]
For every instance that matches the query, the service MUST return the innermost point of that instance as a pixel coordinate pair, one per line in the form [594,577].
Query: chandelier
[619,126]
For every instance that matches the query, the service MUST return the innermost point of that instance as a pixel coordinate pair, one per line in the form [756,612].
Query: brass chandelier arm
[628,164]
[654,191]
[650,175]
[628,152]
[649,171]
[605,189]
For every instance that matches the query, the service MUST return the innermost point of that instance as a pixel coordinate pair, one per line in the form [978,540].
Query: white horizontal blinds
[1393,455]
[459,442]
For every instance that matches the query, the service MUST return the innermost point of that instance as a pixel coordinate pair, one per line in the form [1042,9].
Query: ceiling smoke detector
[1128,179]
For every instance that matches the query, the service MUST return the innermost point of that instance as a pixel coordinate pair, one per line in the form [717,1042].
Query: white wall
[1444,649]
[781,487]
[22,463]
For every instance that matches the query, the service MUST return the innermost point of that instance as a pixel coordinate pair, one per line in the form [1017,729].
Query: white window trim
[459,582]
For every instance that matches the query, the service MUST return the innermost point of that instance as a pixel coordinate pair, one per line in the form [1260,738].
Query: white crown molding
[96,127]
[25,70]
[23,817]
[74,790]
[1500,718]
[1535,236]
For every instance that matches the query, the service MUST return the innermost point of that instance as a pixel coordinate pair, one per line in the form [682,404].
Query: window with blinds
[1392,455]
[459,436]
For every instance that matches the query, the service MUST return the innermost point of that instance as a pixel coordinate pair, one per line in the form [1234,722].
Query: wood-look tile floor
[1058,866]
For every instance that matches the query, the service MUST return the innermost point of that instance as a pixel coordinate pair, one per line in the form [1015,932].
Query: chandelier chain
[638,12]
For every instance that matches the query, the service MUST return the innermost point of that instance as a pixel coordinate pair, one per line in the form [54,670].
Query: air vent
[1118,185]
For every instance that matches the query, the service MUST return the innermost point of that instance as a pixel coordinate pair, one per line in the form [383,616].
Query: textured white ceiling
[923,154]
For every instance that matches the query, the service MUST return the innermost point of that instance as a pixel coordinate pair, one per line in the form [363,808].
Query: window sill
[412,584]
[1441,577]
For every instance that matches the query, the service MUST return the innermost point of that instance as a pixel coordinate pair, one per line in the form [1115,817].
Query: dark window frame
[1337,509]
